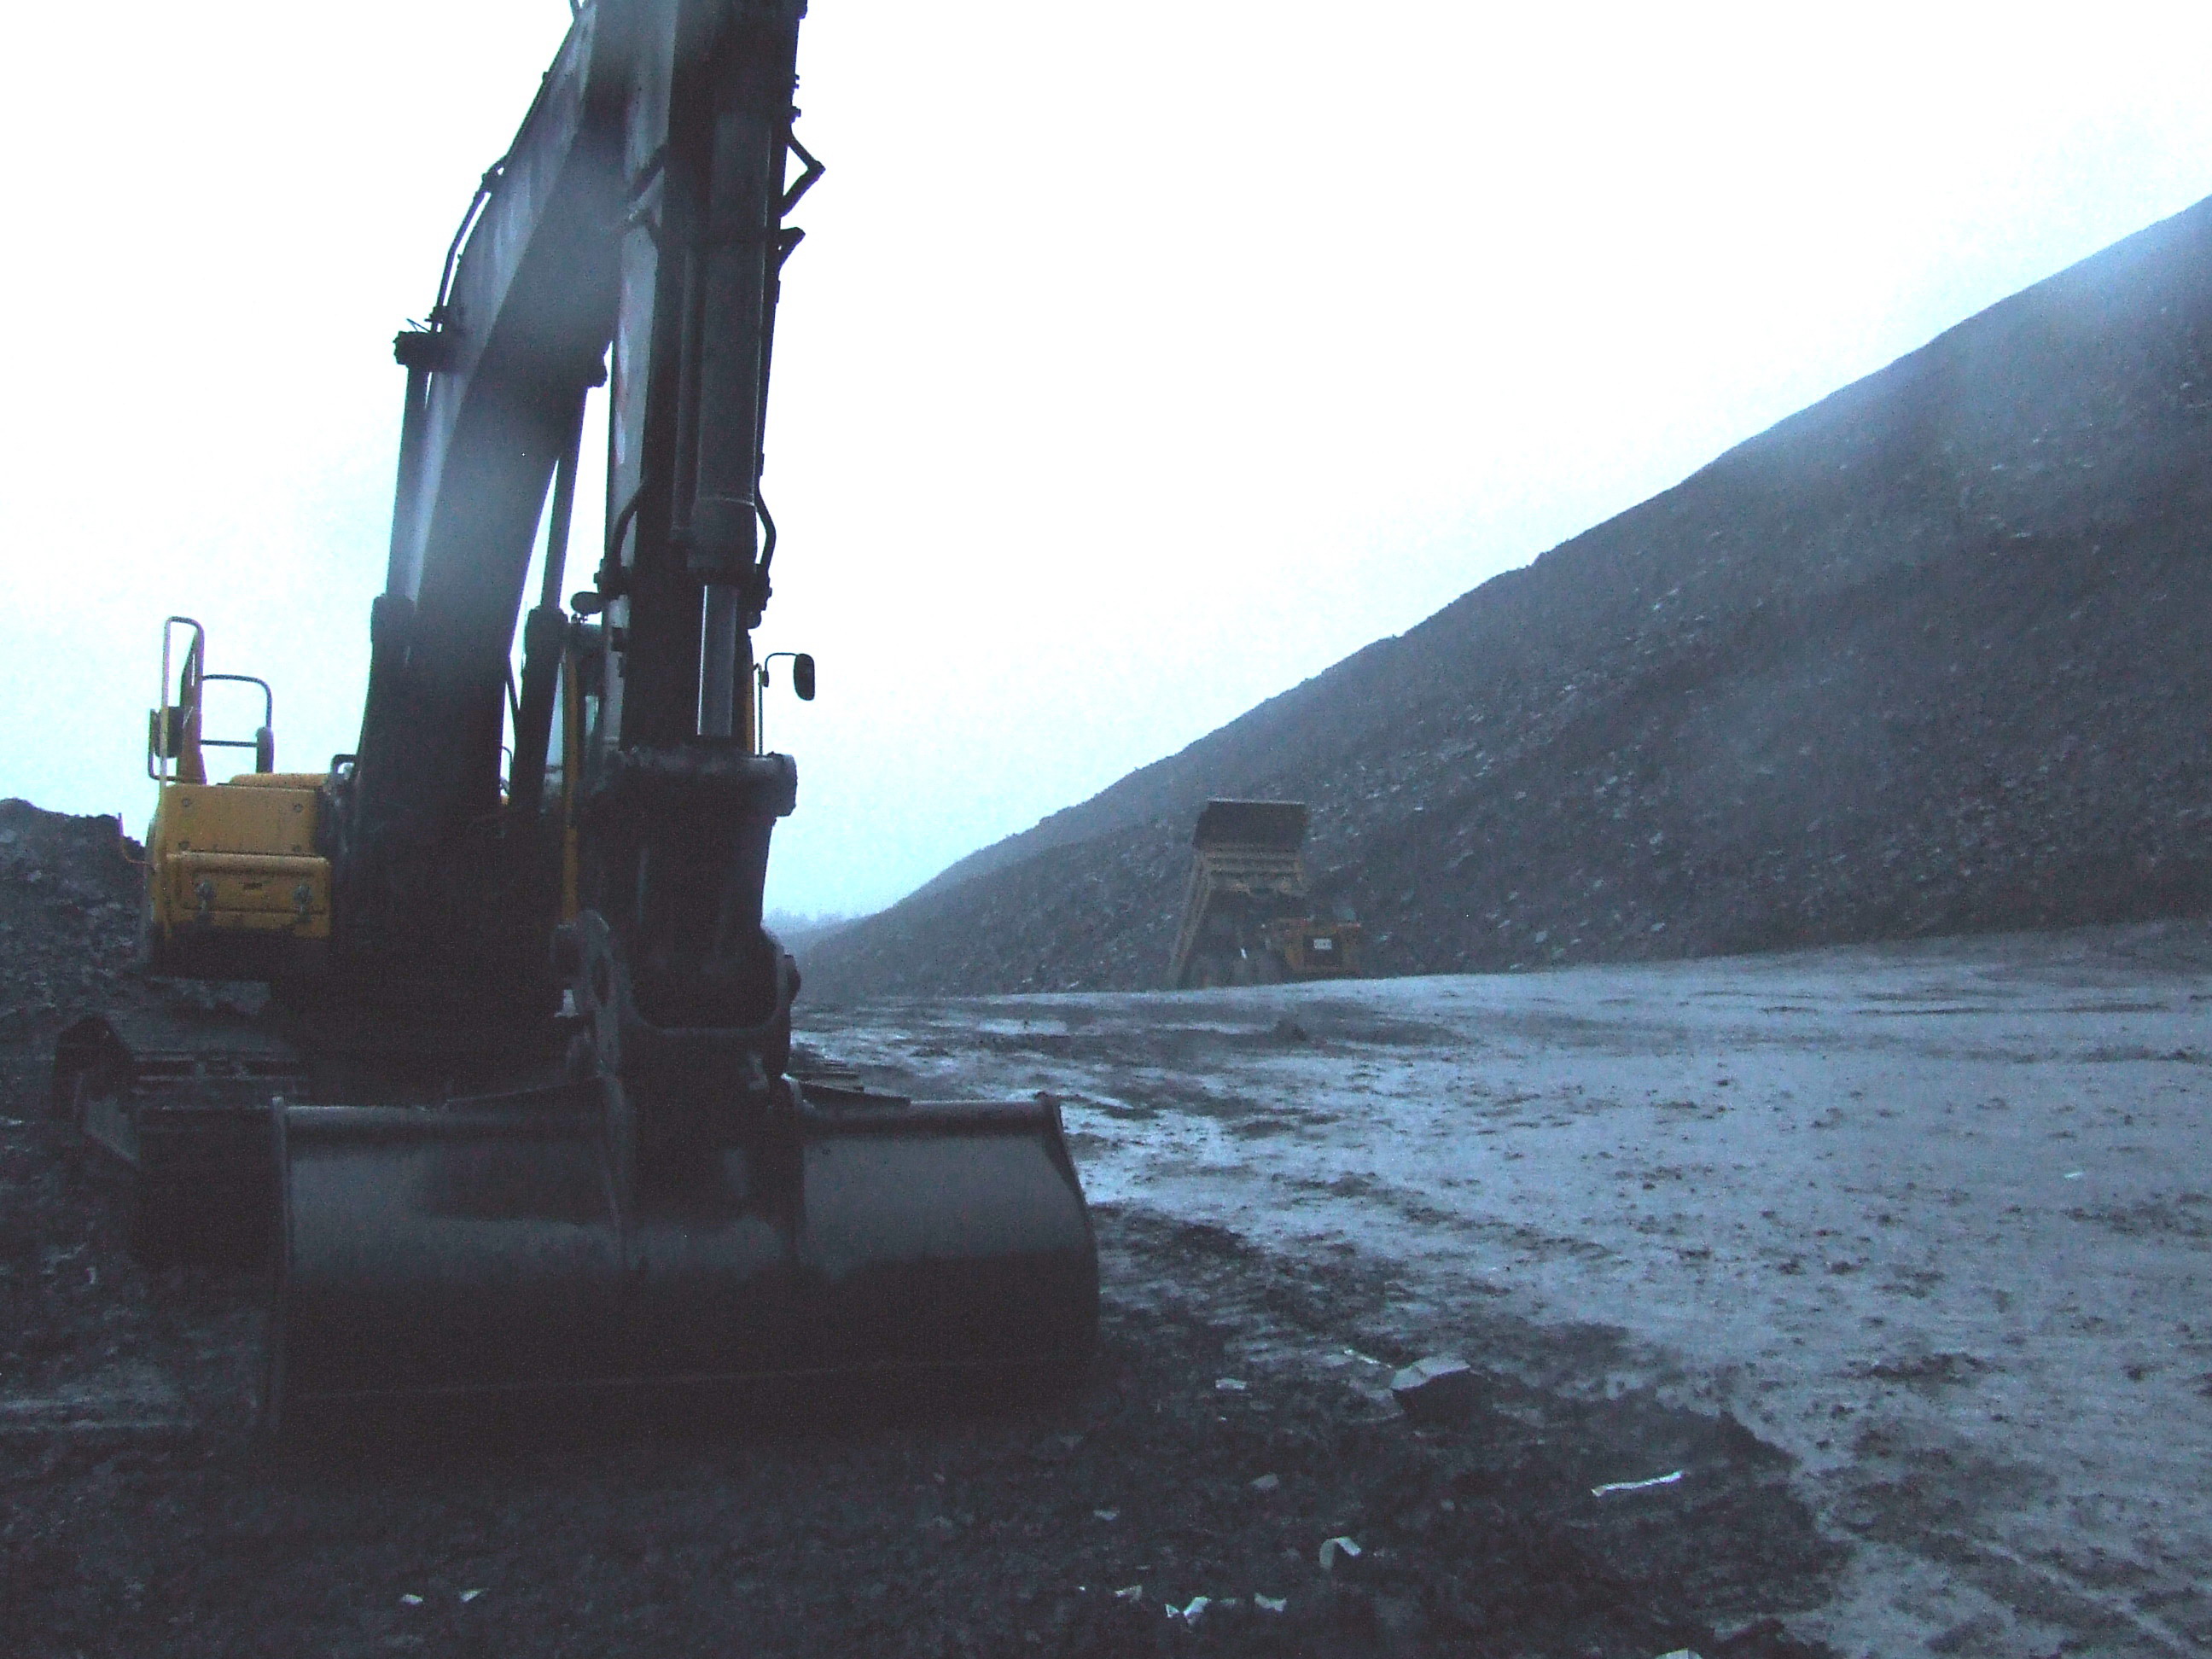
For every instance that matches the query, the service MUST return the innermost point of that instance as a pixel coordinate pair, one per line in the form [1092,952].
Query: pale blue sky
[1141,361]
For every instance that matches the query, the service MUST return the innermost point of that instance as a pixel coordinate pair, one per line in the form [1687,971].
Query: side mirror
[802,677]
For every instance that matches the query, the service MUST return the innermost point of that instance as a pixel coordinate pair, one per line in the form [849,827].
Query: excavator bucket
[497,1247]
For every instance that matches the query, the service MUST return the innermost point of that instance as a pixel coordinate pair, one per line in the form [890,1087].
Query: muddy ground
[1896,1255]
[1932,1219]
[142,1516]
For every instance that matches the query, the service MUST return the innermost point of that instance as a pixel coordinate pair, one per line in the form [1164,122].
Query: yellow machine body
[1316,950]
[235,888]
[235,859]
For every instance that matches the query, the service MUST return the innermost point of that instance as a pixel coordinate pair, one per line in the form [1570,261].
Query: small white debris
[1271,1603]
[1267,1483]
[1108,1515]
[471,1595]
[1135,1593]
[1195,1611]
[1680,1653]
[1365,1359]
[411,1600]
[1228,1385]
[1331,1548]
[1636,1486]
[2073,1174]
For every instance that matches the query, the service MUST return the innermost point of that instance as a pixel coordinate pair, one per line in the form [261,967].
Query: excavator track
[176,1104]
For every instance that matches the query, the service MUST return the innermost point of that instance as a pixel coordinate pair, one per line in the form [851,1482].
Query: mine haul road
[1934,1219]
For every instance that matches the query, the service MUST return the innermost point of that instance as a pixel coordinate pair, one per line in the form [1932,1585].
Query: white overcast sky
[1141,361]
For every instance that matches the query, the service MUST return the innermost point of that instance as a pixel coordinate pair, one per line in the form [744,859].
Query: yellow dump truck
[1248,911]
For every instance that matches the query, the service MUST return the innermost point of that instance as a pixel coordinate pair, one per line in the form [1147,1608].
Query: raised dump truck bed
[1247,910]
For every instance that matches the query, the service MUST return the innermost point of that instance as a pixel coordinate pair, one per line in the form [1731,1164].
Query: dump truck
[1248,911]
[517,1118]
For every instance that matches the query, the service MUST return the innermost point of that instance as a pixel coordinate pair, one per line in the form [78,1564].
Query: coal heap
[1926,656]
[68,925]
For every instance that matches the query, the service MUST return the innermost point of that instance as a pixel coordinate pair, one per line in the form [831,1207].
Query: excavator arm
[640,208]
[550,1142]
[534,1129]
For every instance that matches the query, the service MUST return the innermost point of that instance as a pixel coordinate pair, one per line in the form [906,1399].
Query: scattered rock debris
[1334,1549]
[802,1538]
[1442,1389]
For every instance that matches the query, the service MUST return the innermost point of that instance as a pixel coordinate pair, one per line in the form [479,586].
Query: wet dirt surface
[1934,1219]
[1233,1425]
[1896,1255]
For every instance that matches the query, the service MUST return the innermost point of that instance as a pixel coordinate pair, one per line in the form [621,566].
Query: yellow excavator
[517,1115]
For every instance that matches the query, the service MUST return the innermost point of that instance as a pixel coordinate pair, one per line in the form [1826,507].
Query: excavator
[516,1113]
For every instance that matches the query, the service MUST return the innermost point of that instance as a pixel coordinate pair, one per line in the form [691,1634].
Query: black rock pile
[68,921]
[1927,656]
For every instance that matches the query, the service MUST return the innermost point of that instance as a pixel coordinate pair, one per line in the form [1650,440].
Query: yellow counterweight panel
[246,891]
[239,857]
[309,781]
[235,818]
